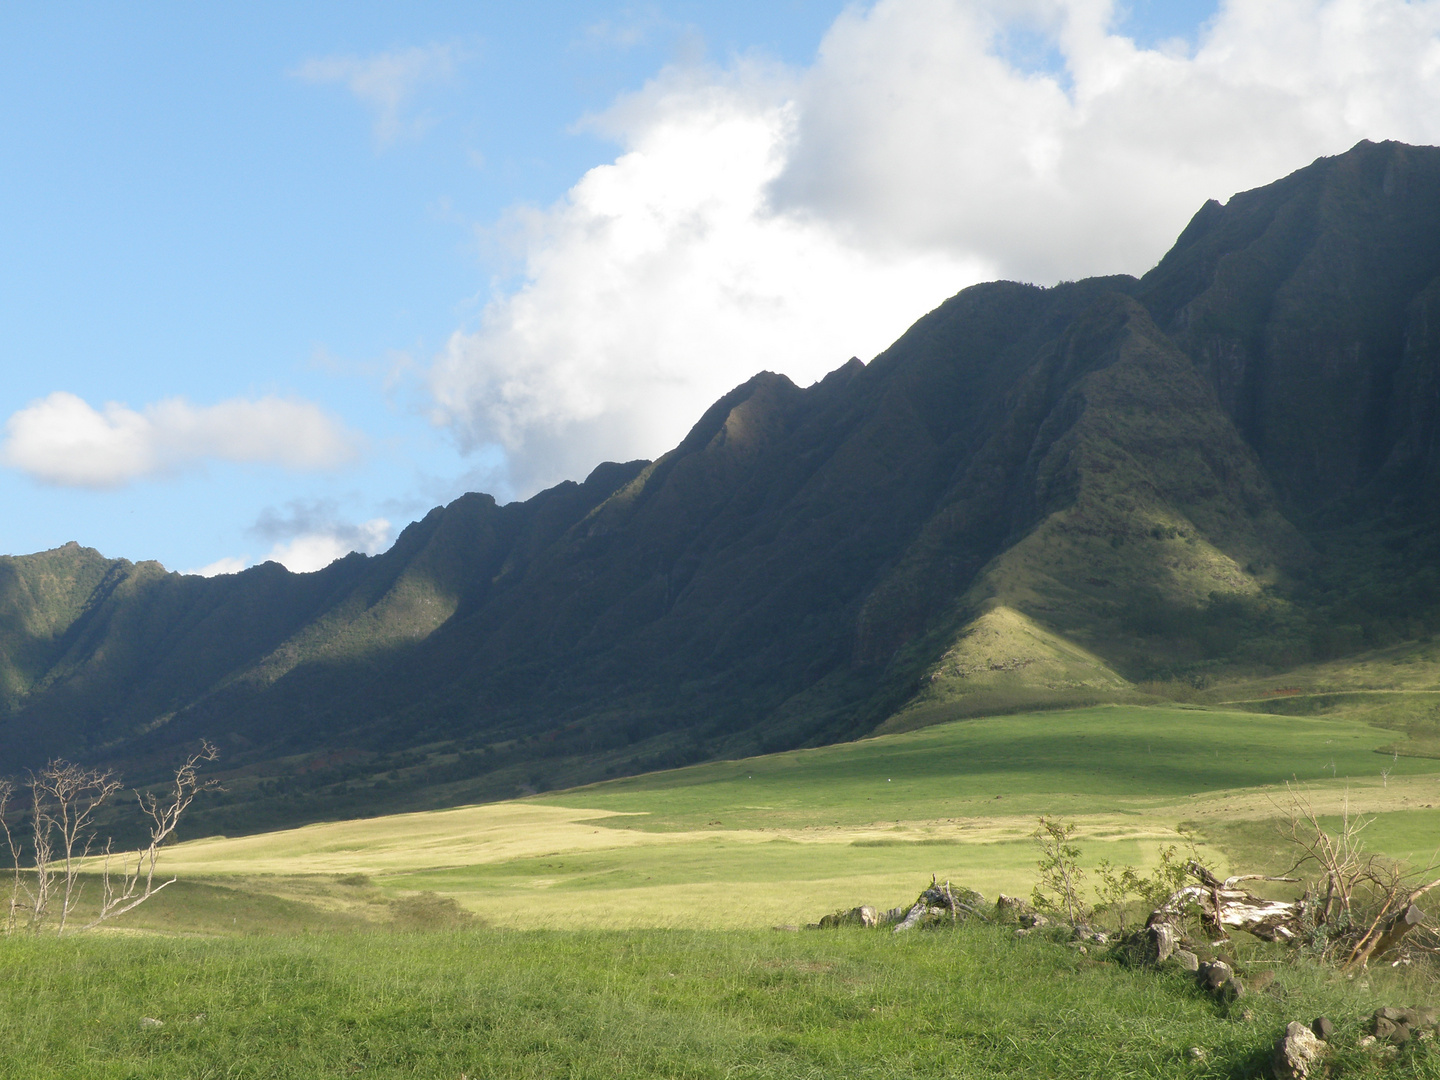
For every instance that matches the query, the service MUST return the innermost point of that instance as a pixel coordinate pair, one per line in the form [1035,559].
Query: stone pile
[1395,1027]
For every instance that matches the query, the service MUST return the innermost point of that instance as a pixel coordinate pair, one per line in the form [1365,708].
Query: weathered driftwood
[1223,906]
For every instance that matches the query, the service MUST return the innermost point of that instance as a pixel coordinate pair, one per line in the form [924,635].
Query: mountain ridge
[1035,496]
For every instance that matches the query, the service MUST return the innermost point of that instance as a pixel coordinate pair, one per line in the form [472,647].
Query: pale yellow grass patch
[464,836]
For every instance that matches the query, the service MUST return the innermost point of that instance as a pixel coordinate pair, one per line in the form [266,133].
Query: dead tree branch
[136,885]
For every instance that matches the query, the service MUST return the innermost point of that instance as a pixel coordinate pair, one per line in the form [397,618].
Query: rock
[1214,974]
[1262,979]
[865,915]
[151,1022]
[1375,1046]
[1185,960]
[1411,1018]
[1033,920]
[1163,940]
[1396,1031]
[1010,908]
[1247,1015]
[1231,990]
[1297,1052]
[1195,1054]
[1323,1028]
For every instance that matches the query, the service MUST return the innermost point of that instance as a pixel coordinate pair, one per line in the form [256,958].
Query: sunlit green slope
[782,838]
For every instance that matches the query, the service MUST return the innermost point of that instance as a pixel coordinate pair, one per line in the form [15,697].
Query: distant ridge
[1035,497]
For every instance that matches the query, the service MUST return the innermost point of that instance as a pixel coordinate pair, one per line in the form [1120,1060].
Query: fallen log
[1223,905]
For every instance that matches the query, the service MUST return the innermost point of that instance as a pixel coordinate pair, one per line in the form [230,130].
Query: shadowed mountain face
[1034,496]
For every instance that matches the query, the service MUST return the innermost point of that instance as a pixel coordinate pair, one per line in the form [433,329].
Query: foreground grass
[971,1003]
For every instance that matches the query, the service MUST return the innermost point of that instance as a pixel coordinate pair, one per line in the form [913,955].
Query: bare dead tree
[1340,856]
[1396,917]
[66,797]
[134,886]
[1357,906]
[7,792]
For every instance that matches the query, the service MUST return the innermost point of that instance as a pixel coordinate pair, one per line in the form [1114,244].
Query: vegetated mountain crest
[1035,497]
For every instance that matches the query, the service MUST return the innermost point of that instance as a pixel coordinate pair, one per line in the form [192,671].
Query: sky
[276,279]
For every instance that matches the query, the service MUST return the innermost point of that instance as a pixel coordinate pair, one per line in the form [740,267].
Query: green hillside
[785,837]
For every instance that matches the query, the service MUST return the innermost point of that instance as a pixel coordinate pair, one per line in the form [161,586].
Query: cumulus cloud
[764,218]
[309,535]
[914,131]
[385,82]
[662,280]
[63,440]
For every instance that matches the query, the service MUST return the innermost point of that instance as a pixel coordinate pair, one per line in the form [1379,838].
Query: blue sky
[275,279]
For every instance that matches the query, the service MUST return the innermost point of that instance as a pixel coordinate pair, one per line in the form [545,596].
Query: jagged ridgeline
[1035,497]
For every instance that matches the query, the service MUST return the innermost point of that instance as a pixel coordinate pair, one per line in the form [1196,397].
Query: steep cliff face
[1307,306]
[1034,496]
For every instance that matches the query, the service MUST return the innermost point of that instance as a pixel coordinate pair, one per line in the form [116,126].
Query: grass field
[785,838]
[975,1002]
[623,928]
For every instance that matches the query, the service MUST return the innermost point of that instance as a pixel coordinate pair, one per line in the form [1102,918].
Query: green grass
[970,1003]
[288,955]
[786,838]
[1069,762]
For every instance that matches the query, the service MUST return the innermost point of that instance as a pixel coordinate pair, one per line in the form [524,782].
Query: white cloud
[311,534]
[63,440]
[769,219]
[227,565]
[385,82]
[662,280]
[914,133]
[315,550]
[308,536]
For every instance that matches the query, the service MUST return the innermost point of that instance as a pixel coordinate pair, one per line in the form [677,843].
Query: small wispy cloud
[630,27]
[227,565]
[306,535]
[309,534]
[63,440]
[386,82]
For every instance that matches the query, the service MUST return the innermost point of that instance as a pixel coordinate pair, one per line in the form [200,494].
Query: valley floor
[785,838]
